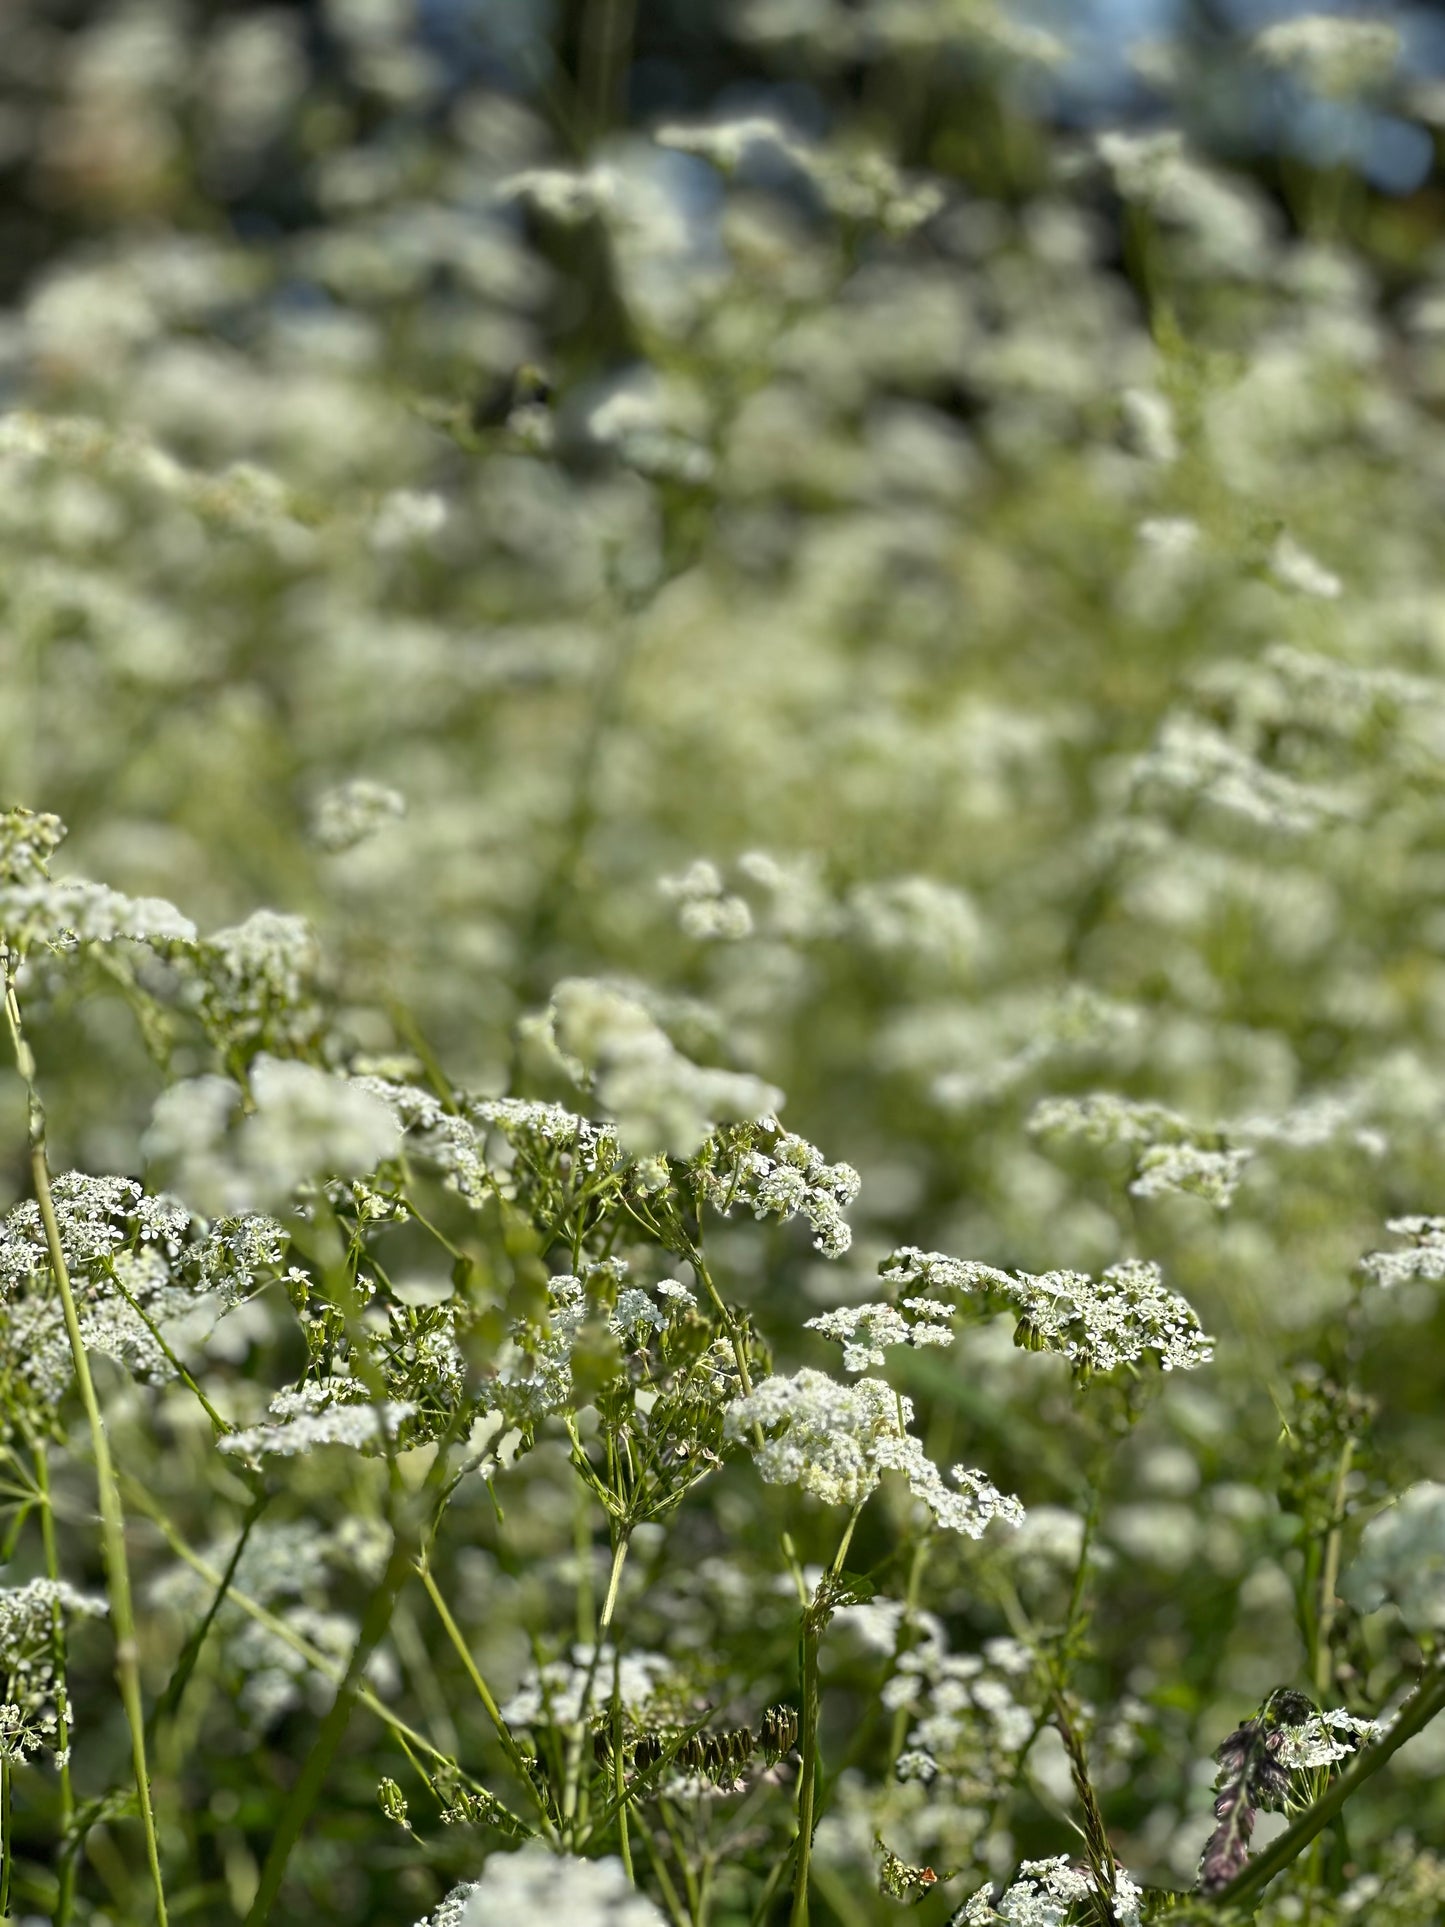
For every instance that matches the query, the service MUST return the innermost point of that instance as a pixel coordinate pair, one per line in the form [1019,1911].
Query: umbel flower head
[1123,1317]
[835,1442]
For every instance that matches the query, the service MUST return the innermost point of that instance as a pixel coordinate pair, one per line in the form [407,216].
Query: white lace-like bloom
[1424,1257]
[1103,1118]
[554,1694]
[780,1175]
[1193,760]
[29,1715]
[706,910]
[1338,55]
[1324,1738]
[353,812]
[1402,1559]
[28,839]
[258,979]
[662,1100]
[1044,1892]
[1293,567]
[71,911]
[520,1889]
[865,1331]
[835,1441]
[306,1122]
[1096,1323]
[319,1414]
[1188,1170]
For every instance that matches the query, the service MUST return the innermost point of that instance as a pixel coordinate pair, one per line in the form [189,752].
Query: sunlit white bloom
[1190,1170]
[354,811]
[305,1122]
[554,1694]
[834,1441]
[1423,1257]
[1292,565]
[1097,1324]
[315,1415]
[865,1331]
[1338,55]
[69,910]
[660,1098]
[519,1889]
[1324,1738]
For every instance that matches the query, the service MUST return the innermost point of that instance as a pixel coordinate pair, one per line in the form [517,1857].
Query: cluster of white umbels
[610,1042]
[34,1696]
[1324,1738]
[561,1692]
[533,1884]
[866,1331]
[330,1412]
[1423,1256]
[1167,1154]
[776,1174]
[835,1442]
[1123,1317]
[1045,1893]
[352,813]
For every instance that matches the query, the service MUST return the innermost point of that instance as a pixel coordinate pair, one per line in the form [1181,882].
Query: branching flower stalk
[112,1517]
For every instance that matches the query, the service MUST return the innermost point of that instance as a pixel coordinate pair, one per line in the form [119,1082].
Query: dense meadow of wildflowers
[722,905]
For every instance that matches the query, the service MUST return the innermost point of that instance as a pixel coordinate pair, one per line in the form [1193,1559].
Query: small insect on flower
[899,1880]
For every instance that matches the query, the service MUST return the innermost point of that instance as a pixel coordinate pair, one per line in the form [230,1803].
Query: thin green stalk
[112,1517]
[65,1898]
[573,1778]
[815,1618]
[514,1755]
[1427,1700]
[619,1781]
[321,1662]
[1323,1669]
[5,1842]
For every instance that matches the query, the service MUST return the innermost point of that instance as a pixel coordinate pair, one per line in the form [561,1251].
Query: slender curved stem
[112,1517]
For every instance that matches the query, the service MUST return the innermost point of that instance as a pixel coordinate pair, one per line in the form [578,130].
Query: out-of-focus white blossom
[354,811]
[534,1884]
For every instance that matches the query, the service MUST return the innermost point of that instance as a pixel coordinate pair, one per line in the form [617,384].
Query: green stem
[815,1618]
[65,1898]
[1427,1700]
[5,1846]
[514,1754]
[112,1518]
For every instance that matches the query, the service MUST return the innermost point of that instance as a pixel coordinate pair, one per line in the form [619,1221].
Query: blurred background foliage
[972,474]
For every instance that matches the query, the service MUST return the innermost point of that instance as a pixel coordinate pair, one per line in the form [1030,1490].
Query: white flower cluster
[1189,1170]
[71,910]
[1099,1323]
[554,1694]
[305,1122]
[1423,1257]
[865,1331]
[33,1695]
[1338,55]
[28,840]
[859,187]
[968,1726]
[1194,761]
[520,1889]
[835,1441]
[333,1412]
[257,981]
[661,1100]
[1044,1894]
[1323,1738]
[353,812]
[706,910]
[776,1174]
[532,1374]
